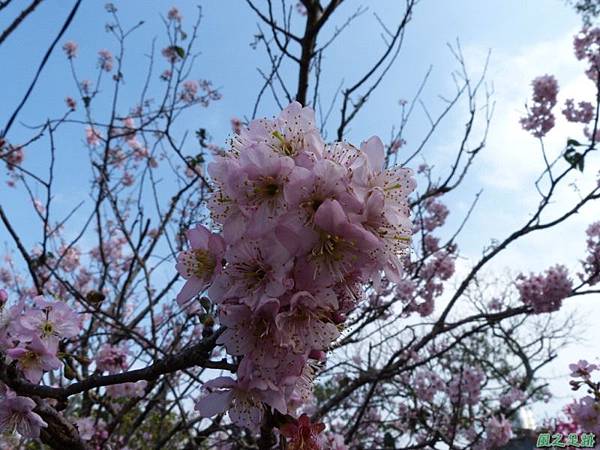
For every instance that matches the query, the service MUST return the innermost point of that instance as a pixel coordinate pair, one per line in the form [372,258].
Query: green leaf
[205,302]
[180,51]
[575,159]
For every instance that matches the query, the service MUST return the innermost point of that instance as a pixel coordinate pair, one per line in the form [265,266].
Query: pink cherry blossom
[465,386]
[174,14]
[16,413]
[105,60]
[591,264]
[236,125]
[127,390]
[498,432]
[583,114]
[259,184]
[587,47]
[292,133]
[92,137]
[35,357]
[244,404]
[333,441]
[250,333]
[307,324]
[303,435]
[52,321]
[166,75]
[427,384]
[305,226]
[254,269]
[201,264]
[540,119]
[70,49]
[341,247]
[545,293]
[71,103]
[111,358]
[170,53]
[512,396]
[189,92]
[586,413]
[436,215]
[582,369]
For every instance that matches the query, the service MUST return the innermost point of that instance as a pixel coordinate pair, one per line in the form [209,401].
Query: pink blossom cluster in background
[174,14]
[13,156]
[465,386]
[111,358]
[583,113]
[498,432]
[587,48]
[591,264]
[545,293]
[70,49]
[190,92]
[583,414]
[540,118]
[303,226]
[105,60]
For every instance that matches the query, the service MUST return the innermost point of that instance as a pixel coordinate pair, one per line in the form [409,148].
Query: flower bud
[208,320]
[319,355]
[205,302]
[338,317]
[95,297]
[69,372]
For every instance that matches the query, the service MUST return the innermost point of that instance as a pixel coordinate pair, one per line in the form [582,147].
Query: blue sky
[527,39]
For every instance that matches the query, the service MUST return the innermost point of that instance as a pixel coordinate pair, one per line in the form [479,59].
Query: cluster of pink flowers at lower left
[29,335]
[304,227]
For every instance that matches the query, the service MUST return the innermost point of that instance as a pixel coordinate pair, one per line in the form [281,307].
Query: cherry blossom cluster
[423,280]
[427,384]
[498,432]
[545,293]
[129,147]
[105,60]
[587,48]
[511,397]
[113,359]
[13,156]
[591,264]
[304,227]
[582,415]
[540,118]
[29,336]
[583,113]
[465,387]
[31,333]
[92,431]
